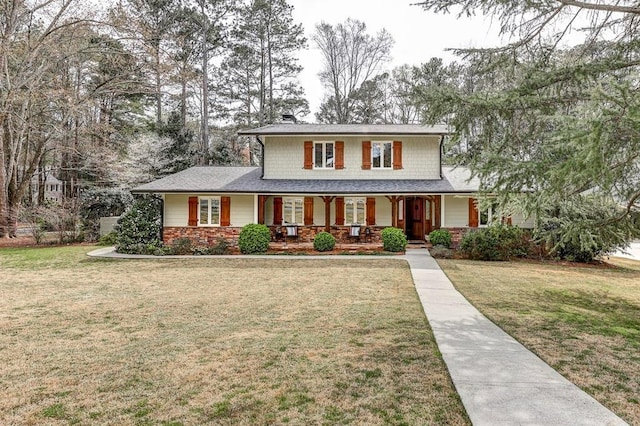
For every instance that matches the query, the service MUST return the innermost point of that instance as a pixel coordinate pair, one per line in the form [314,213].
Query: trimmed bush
[138,230]
[393,239]
[324,241]
[440,237]
[254,239]
[498,242]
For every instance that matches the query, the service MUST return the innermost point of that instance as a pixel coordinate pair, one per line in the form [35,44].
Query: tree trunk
[158,85]
[205,90]
[270,67]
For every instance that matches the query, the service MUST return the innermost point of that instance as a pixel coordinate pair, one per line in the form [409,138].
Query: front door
[414,218]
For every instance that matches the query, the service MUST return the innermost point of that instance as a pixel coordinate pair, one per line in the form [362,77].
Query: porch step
[412,244]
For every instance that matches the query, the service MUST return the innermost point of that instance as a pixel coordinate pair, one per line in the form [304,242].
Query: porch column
[438,208]
[327,212]
[394,210]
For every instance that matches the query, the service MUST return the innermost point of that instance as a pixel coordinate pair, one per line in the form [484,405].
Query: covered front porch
[349,217]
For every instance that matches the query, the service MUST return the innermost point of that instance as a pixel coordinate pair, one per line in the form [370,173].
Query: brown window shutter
[366,155]
[225,211]
[339,210]
[308,155]
[193,211]
[277,211]
[473,213]
[397,155]
[262,199]
[371,211]
[339,155]
[308,210]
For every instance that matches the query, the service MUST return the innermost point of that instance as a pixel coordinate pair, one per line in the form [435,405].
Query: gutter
[262,162]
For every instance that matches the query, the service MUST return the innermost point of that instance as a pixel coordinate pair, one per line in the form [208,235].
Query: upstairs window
[323,155]
[292,211]
[381,155]
[209,212]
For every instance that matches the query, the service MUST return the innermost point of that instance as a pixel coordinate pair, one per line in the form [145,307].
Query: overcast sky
[418,35]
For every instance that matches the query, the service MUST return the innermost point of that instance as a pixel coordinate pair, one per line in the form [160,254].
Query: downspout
[262,162]
[162,218]
[441,149]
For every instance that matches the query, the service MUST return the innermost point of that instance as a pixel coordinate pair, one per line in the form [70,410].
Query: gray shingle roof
[247,180]
[346,129]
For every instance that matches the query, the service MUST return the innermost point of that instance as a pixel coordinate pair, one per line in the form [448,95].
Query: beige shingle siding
[284,158]
[176,211]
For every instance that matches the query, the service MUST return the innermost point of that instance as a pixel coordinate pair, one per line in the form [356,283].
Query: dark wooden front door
[415,218]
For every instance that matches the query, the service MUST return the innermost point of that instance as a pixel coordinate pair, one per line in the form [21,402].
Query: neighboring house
[53,187]
[326,178]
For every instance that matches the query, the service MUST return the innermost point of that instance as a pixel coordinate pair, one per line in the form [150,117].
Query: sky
[419,35]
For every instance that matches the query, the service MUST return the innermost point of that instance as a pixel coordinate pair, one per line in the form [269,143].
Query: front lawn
[583,321]
[215,341]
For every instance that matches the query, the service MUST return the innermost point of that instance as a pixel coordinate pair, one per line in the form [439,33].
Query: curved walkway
[499,381]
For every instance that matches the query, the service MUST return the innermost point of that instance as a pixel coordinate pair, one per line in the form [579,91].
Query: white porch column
[255,208]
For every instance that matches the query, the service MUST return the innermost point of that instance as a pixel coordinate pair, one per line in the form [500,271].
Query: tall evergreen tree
[563,122]
[259,75]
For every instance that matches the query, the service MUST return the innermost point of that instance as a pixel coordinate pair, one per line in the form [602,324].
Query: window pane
[215,211]
[318,155]
[375,153]
[484,217]
[287,210]
[360,212]
[329,152]
[348,211]
[204,211]
[299,212]
[387,155]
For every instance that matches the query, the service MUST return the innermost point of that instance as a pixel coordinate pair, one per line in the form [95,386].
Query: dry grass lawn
[583,321]
[207,341]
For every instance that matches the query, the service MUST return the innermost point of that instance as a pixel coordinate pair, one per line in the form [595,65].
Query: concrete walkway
[499,381]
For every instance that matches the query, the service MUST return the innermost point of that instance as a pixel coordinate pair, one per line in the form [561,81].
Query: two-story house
[317,177]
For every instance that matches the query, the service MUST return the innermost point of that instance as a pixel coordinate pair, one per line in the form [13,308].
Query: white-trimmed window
[354,209]
[488,215]
[209,211]
[293,211]
[381,155]
[324,155]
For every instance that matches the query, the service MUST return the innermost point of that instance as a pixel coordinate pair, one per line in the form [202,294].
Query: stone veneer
[206,236]
[456,235]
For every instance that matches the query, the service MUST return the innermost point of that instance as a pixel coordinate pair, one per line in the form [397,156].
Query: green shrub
[254,239]
[108,239]
[182,246]
[497,242]
[101,202]
[441,252]
[440,237]
[393,239]
[220,247]
[324,241]
[138,230]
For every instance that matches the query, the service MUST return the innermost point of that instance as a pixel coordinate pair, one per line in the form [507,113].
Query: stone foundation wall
[456,235]
[201,236]
[207,236]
